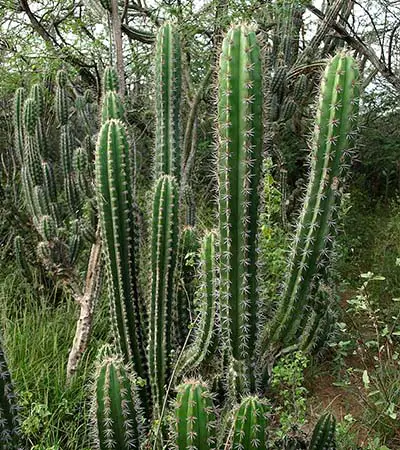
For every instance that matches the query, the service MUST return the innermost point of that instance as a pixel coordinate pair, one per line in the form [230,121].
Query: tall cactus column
[168,77]
[239,172]
[163,262]
[335,126]
[119,232]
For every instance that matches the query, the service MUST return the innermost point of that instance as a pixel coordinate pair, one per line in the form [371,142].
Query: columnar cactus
[250,425]
[112,107]
[114,185]
[10,437]
[61,104]
[204,307]
[334,130]
[323,437]
[18,123]
[110,80]
[168,85]
[164,245]
[158,353]
[118,417]
[239,171]
[195,420]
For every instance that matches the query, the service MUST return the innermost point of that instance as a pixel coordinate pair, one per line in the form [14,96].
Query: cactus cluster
[181,321]
[51,174]
[198,308]
[53,144]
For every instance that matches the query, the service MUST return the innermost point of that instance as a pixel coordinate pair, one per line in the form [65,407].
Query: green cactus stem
[334,131]
[82,170]
[110,80]
[250,425]
[20,256]
[239,170]
[119,231]
[10,437]
[195,420]
[112,107]
[49,182]
[19,123]
[118,417]
[37,93]
[168,85]
[61,104]
[205,306]
[323,437]
[164,245]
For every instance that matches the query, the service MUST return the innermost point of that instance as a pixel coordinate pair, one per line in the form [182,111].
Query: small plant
[288,386]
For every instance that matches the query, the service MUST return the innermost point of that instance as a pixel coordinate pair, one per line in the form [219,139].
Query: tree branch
[357,44]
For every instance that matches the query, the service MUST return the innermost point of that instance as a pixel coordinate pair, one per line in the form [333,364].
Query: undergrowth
[38,332]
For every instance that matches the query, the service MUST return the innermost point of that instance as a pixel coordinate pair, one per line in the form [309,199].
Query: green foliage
[288,385]
[37,334]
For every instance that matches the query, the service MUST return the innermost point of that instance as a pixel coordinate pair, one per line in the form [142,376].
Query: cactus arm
[61,104]
[334,130]
[118,232]
[110,80]
[117,410]
[323,437]
[18,123]
[163,261]
[250,425]
[206,294]
[112,107]
[168,78]
[239,155]
[195,418]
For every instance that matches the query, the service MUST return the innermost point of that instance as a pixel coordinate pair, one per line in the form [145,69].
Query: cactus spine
[239,161]
[168,79]
[195,417]
[118,416]
[9,420]
[163,262]
[334,130]
[323,437]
